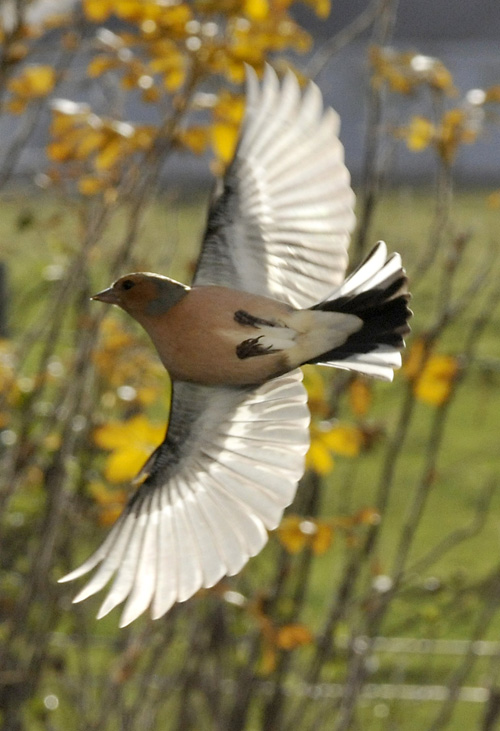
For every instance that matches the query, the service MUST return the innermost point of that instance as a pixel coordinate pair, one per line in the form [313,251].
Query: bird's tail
[377,293]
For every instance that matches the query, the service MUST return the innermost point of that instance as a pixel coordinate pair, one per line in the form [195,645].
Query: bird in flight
[269,295]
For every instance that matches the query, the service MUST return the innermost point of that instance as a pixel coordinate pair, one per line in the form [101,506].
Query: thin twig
[456,537]
[343,38]
[371,174]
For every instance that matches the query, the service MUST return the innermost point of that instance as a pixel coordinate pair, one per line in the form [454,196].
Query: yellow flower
[432,375]
[195,138]
[34,82]
[295,533]
[256,9]
[419,134]
[414,362]
[130,443]
[100,143]
[405,71]
[290,534]
[360,396]
[319,458]
[344,440]
[314,381]
[434,384]
[99,65]
[227,115]
[97,10]
[322,8]
[90,184]
[286,637]
[341,439]
[455,129]
[291,636]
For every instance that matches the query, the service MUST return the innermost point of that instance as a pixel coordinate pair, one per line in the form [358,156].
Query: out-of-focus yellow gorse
[158,48]
[409,73]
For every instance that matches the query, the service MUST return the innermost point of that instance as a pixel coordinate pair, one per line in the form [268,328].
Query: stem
[371,176]
[347,35]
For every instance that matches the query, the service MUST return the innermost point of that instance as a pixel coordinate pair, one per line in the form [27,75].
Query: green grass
[38,233]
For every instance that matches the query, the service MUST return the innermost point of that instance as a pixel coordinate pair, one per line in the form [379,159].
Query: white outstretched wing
[223,476]
[282,222]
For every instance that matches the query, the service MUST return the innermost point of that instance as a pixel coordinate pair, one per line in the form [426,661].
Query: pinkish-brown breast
[198,337]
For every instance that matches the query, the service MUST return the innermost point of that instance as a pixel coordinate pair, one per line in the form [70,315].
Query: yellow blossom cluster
[405,72]
[141,64]
[328,436]
[97,146]
[130,443]
[329,439]
[227,115]
[224,34]
[137,381]
[276,637]
[169,15]
[167,39]
[297,533]
[34,82]
[163,52]
[460,125]
[455,128]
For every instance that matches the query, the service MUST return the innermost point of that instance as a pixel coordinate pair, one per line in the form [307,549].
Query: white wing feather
[281,227]
[190,524]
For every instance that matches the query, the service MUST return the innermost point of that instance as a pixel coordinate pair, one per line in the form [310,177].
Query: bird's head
[143,295]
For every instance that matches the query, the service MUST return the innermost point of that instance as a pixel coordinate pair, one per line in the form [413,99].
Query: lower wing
[228,467]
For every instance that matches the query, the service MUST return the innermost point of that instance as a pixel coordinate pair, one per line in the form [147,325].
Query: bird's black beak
[107,295]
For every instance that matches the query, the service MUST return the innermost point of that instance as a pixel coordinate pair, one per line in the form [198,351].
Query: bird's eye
[128,284]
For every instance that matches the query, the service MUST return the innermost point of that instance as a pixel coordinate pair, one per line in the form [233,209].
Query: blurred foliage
[409,73]
[83,402]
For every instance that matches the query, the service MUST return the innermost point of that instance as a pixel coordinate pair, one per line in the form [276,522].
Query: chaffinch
[268,296]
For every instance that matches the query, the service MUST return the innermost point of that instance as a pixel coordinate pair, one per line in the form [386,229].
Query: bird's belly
[215,361]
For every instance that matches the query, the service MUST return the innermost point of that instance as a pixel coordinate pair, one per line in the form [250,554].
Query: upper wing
[227,469]
[281,226]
